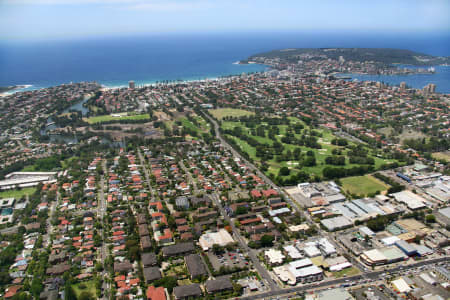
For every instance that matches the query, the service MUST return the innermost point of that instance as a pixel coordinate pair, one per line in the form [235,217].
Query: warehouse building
[336,223]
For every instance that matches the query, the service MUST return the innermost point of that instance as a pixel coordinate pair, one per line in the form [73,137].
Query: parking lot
[227,259]
[370,292]
[252,284]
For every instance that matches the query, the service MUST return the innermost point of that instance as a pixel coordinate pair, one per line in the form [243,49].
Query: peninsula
[350,60]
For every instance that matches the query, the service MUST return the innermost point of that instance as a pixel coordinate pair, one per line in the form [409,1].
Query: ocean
[113,61]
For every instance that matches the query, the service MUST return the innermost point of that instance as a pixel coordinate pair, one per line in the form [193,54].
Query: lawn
[442,155]
[116,117]
[17,193]
[220,113]
[326,136]
[363,185]
[90,288]
[346,272]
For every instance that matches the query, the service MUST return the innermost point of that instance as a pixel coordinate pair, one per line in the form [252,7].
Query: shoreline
[109,86]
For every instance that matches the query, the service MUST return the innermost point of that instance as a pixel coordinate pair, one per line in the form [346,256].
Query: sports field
[442,155]
[115,117]
[17,193]
[363,185]
[220,113]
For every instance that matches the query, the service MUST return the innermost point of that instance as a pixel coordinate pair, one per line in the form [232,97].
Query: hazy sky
[29,19]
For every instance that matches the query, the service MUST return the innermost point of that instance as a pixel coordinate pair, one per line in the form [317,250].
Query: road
[48,222]
[252,166]
[147,175]
[251,253]
[370,275]
[278,291]
[189,175]
[291,202]
[101,210]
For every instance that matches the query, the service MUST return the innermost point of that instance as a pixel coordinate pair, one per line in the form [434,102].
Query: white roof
[279,211]
[412,200]
[312,251]
[366,230]
[301,263]
[326,246]
[445,212]
[274,256]
[306,271]
[222,238]
[375,255]
[340,267]
[293,252]
[390,240]
[401,285]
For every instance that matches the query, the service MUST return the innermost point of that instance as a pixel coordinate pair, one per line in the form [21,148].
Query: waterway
[73,139]
[441,78]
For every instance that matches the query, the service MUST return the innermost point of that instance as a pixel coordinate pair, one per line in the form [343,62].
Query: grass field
[320,154]
[363,185]
[116,117]
[346,272]
[220,113]
[442,155]
[90,288]
[17,193]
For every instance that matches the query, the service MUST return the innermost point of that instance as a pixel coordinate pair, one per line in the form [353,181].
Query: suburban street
[251,254]
[147,175]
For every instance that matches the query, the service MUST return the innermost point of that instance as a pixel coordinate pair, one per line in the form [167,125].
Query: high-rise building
[432,88]
[131,84]
[403,85]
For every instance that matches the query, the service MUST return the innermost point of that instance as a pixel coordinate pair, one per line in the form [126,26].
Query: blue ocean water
[441,78]
[113,61]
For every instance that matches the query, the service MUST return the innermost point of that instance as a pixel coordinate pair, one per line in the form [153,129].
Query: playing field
[17,193]
[220,113]
[363,185]
[442,155]
[115,117]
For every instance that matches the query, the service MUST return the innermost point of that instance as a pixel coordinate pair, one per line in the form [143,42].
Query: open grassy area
[116,117]
[17,193]
[363,185]
[442,156]
[346,272]
[324,138]
[90,288]
[220,113]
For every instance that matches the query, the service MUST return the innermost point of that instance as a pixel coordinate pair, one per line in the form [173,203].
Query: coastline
[108,85]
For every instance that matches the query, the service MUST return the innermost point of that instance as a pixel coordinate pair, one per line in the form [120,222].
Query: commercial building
[221,238]
[292,252]
[386,255]
[299,271]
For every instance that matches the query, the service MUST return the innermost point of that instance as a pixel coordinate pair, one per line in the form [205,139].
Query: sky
[54,19]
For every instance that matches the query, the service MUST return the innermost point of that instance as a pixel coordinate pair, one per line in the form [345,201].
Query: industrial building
[336,223]
[26,179]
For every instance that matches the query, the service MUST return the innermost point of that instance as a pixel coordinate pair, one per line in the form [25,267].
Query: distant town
[293,183]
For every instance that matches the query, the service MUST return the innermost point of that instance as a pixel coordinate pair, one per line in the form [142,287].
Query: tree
[217,249]
[69,293]
[430,219]
[85,295]
[169,282]
[267,240]
[284,171]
